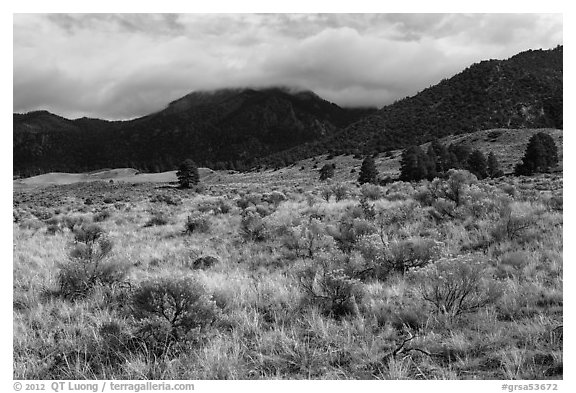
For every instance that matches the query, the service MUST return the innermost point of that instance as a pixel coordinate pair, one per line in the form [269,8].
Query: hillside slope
[524,91]
[230,128]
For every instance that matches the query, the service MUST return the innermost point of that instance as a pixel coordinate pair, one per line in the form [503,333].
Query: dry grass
[271,324]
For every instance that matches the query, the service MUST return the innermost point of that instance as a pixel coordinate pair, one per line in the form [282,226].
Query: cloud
[124,66]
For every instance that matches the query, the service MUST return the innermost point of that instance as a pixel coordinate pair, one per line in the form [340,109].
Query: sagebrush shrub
[348,232]
[371,192]
[171,200]
[368,210]
[275,197]
[71,222]
[197,223]
[306,239]
[326,193]
[248,200]
[456,286]
[89,264]
[340,191]
[334,292]
[88,233]
[101,216]
[408,254]
[175,306]
[53,229]
[511,226]
[158,218]
[252,227]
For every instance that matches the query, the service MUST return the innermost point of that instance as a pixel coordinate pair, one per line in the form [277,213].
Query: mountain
[244,128]
[524,91]
[228,128]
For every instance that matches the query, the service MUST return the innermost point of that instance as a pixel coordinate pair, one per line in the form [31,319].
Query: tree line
[416,163]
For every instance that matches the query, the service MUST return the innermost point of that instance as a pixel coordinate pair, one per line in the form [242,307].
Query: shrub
[306,239]
[88,233]
[264,209]
[516,260]
[326,192]
[158,218]
[89,264]
[214,205]
[248,200]
[511,226]
[349,231]
[555,203]
[326,172]
[41,214]
[174,306]
[408,254]
[204,262]
[456,286]
[101,216]
[52,229]
[71,222]
[371,192]
[340,191]
[252,227]
[455,187]
[333,292]
[197,223]
[167,199]
[275,197]
[223,207]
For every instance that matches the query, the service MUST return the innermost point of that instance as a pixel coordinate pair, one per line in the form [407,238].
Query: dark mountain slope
[524,91]
[224,128]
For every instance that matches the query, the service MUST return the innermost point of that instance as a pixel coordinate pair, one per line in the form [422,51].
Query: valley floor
[243,279]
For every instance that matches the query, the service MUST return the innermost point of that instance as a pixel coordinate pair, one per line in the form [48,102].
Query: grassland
[289,279]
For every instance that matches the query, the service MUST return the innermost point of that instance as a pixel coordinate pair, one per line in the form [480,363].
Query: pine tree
[414,164]
[368,171]
[188,174]
[540,157]
[326,172]
[459,155]
[494,166]
[431,163]
[477,164]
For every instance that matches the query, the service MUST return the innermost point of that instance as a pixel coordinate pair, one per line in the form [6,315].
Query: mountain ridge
[244,128]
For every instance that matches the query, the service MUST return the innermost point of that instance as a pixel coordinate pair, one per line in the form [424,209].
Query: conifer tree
[477,164]
[368,171]
[188,174]
[541,155]
[494,166]
[326,172]
[414,164]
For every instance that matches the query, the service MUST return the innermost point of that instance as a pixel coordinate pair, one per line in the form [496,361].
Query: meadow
[450,279]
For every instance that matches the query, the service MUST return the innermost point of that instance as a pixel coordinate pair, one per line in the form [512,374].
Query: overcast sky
[128,65]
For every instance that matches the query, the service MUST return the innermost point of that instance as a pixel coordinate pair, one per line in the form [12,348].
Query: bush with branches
[171,309]
[335,293]
[456,286]
[89,264]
